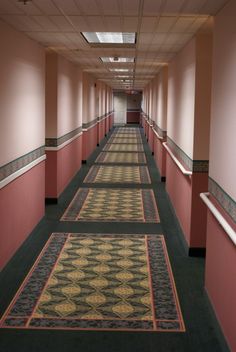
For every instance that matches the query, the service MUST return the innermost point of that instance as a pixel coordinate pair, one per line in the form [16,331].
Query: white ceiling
[163,27]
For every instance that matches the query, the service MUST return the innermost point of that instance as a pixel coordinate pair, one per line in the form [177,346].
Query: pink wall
[181,98]
[61,166]
[22,95]
[188,122]
[89,142]
[159,156]
[21,208]
[63,117]
[221,252]
[22,130]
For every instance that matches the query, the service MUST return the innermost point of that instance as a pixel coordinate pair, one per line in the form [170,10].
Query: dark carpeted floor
[202,331]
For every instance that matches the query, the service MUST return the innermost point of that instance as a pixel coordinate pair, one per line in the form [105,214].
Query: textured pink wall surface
[220,276]
[151,139]
[22,94]
[21,208]
[178,187]
[181,98]
[160,156]
[221,252]
[101,129]
[89,142]
[223,121]
[61,166]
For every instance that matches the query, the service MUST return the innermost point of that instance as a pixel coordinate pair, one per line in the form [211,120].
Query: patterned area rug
[124,140]
[127,135]
[123,147]
[107,204]
[121,158]
[98,282]
[118,174]
[127,129]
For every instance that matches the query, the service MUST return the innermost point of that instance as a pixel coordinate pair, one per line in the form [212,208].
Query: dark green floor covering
[202,330]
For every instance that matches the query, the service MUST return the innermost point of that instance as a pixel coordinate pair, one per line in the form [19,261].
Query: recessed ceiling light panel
[110,37]
[117,59]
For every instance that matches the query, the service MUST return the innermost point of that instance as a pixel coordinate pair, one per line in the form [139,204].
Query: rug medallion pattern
[121,158]
[123,148]
[107,204]
[118,174]
[124,140]
[98,281]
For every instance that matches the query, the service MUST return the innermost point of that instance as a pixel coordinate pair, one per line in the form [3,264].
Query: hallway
[202,331]
[72,74]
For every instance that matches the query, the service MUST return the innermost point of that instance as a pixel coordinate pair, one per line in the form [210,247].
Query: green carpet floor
[202,330]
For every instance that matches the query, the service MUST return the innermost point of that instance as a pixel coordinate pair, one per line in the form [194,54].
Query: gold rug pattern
[118,174]
[121,158]
[123,148]
[108,204]
[98,281]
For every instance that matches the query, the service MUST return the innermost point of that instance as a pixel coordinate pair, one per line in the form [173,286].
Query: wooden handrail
[177,162]
[226,226]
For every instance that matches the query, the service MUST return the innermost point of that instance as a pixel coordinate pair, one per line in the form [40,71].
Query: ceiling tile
[62,23]
[173,6]
[22,23]
[166,23]
[211,7]
[113,23]
[67,7]
[80,23]
[148,24]
[130,7]
[109,7]
[45,23]
[7,7]
[88,7]
[183,24]
[193,6]
[151,7]
[47,7]
[96,23]
[130,24]
[29,8]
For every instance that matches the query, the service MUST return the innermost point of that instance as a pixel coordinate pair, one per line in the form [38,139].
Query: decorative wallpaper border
[227,203]
[89,124]
[55,142]
[192,165]
[161,132]
[100,118]
[17,164]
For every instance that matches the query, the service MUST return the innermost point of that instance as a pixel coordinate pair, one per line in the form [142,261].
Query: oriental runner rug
[112,204]
[118,174]
[98,282]
[121,158]
[123,148]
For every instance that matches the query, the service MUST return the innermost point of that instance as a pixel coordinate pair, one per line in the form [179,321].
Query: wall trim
[87,125]
[226,202]
[162,133]
[64,144]
[193,165]
[17,164]
[21,171]
[56,142]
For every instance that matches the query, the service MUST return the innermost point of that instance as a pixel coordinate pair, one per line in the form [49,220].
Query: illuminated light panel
[120,70]
[117,59]
[110,37]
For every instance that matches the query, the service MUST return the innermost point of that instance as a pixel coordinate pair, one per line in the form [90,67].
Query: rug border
[182,328]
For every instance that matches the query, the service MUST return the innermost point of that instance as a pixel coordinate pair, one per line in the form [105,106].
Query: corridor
[117,175]
[116,214]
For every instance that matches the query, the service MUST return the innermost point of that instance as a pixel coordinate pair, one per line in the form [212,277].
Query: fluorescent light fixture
[110,37]
[117,59]
[120,70]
